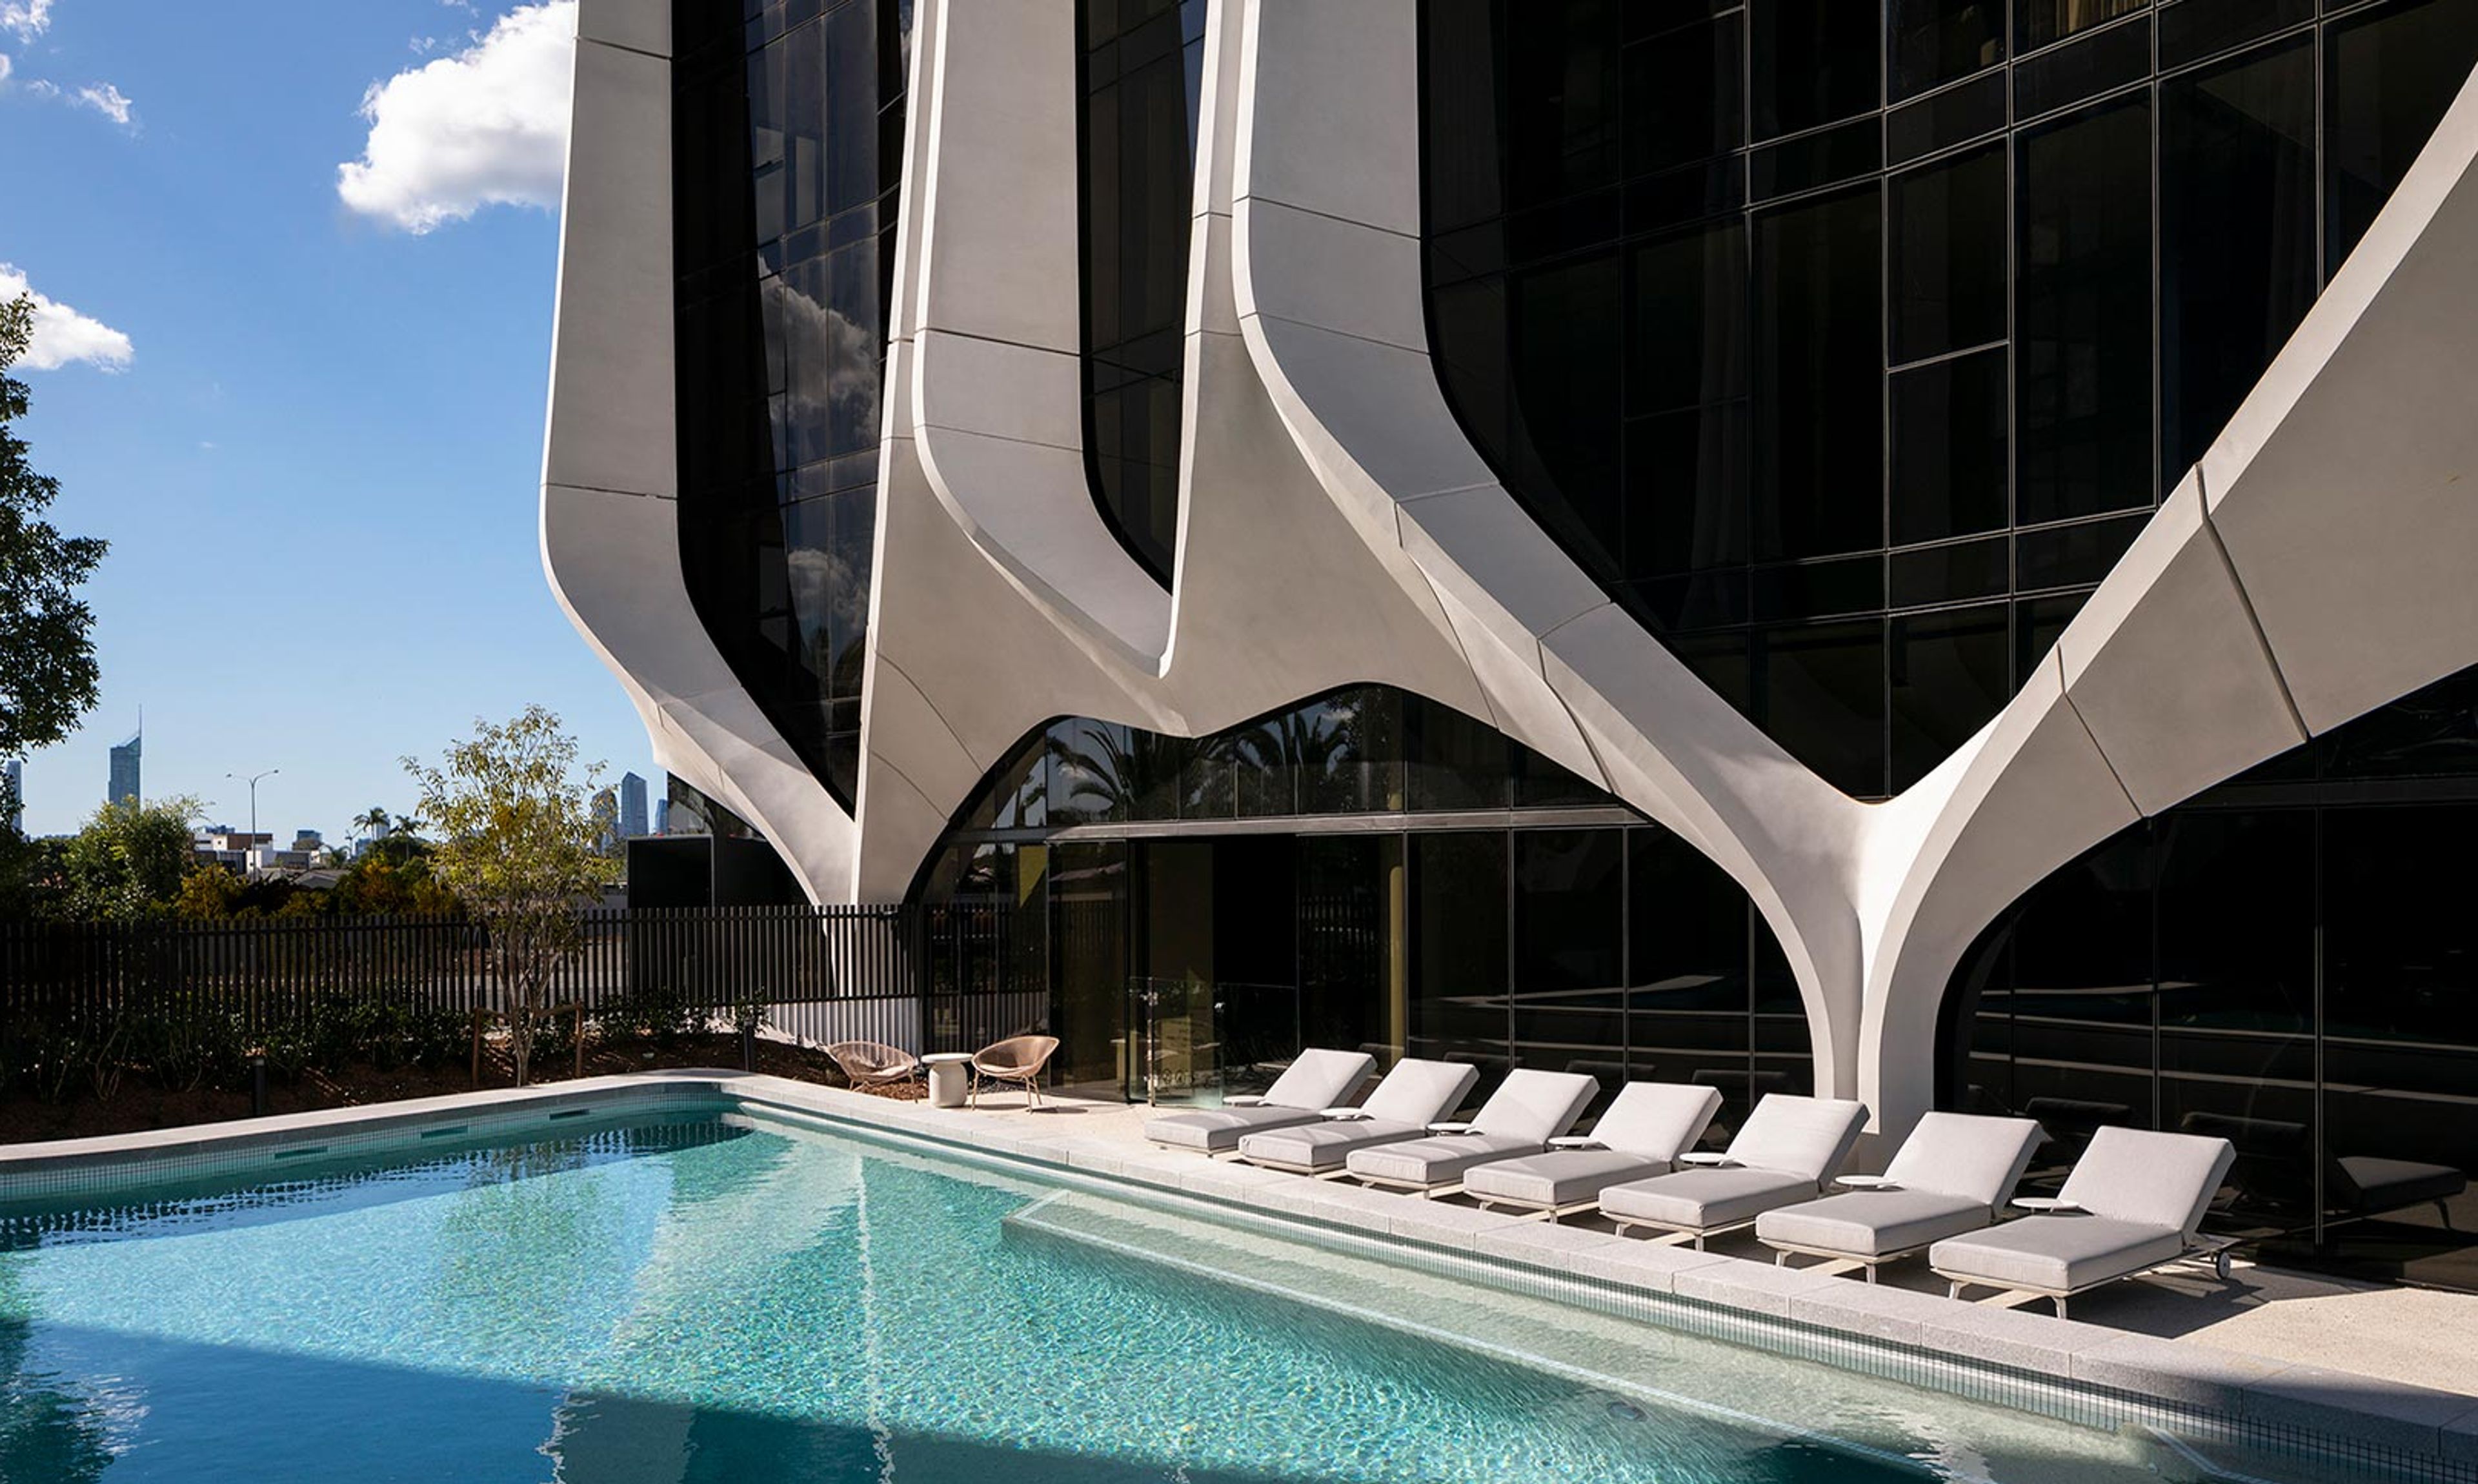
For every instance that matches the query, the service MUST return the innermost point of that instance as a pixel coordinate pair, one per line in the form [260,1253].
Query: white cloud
[482,125]
[104,99]
[62,335]
[28,18]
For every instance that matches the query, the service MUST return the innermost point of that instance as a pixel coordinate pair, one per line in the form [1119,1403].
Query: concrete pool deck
[2381,1372]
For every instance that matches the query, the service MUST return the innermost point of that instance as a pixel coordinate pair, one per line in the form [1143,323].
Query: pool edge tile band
[2360,1437]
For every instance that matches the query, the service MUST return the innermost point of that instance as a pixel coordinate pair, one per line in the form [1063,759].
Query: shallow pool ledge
[2081,1373]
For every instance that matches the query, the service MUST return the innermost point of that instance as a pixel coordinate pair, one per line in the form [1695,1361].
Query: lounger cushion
[1212,1130]
[1801,1135]
[1420,1092]
[1533,1106]
[1323,1145]
[1561,1177]
[1701,1199]
[2149,1179]
[1320,1079]
[1657,1121]
[1437,1161]
[1965,1154]
[2056,1254]
[1871,1224]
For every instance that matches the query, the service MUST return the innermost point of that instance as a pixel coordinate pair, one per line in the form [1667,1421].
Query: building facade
[1914,552]
[632,807]
[124,786]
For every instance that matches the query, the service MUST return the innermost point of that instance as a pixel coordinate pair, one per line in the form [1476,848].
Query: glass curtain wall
[1142,75]
[1372,869]
[2288,962]
[1828,336]
[787,148]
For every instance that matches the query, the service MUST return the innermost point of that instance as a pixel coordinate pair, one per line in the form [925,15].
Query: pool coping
[2060,1368]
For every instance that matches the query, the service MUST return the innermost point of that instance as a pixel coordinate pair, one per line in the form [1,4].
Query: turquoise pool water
[701,1299]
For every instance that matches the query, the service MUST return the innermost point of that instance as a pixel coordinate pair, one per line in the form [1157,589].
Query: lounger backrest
[1965,1154]
[1320,1079]
[2132,1174]
[1658,1119]
[1536,1106]
[1419,1092]
[1800,1136]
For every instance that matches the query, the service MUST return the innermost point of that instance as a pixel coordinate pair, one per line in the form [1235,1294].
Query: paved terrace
[2385,1367]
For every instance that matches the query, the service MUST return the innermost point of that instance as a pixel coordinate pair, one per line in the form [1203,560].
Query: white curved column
[610,520]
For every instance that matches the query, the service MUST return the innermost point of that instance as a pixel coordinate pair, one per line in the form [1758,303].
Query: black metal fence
[927,977]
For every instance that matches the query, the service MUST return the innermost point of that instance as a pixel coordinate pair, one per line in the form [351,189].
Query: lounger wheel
[2220,1266]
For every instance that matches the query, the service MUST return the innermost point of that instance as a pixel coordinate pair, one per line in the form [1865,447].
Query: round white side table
[950,1076]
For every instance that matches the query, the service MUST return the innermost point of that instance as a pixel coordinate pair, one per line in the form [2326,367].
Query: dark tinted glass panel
[1567,326]
[1350,954]
[1937,40]
[1458,948]
[1688,1014]
[2084,69]
[1946,118]
[1949,453]
[2236,924]
[1569,889]
[2391,72]
[781,334]
[1683,95]
[2431,733]
[2074,555]
[2082,315]
[2192,30]
[1949,574]
[1947,274]
[1459,124]
[1138,148]
[1685,385]
[1090,956]
[1454,762]
[1561,100]
[1951,673]
[1823,696]
[1819,377]
[1818,589]
[2038,22]
[2236,236]
[1814,61]
[1802,163]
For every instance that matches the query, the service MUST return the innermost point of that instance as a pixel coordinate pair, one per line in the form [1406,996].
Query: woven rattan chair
[1017,1062]
[871,1063]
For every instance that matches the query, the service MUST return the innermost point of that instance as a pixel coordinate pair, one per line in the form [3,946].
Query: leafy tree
[207,893]
[129,860]
[516,834]
[47,669]
[19,858]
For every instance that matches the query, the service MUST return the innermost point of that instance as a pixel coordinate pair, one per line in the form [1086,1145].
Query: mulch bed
[139,1106]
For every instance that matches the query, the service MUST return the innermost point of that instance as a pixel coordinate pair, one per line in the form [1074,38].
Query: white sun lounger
[2134,1201]
[1641,1135]
[1527,1109]
[1952,1175]
[1316,1081]
[1784,1152]
[1413,1096]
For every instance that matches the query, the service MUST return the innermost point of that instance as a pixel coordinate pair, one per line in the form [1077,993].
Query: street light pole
[253,810]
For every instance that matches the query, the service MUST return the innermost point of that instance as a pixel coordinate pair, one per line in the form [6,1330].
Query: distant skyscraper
[124,769]
[632,806]
[662,817]
[13,786]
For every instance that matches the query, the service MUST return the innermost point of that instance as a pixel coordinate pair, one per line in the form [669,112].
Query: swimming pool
[707,1296]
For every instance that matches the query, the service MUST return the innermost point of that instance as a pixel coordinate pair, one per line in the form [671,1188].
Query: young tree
[515,844]
[47,669]
[130,859]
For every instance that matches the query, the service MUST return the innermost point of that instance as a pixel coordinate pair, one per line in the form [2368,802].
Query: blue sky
[319,466]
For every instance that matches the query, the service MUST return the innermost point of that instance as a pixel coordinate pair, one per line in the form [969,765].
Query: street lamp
[253,809]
